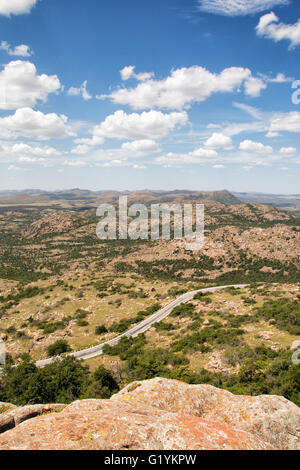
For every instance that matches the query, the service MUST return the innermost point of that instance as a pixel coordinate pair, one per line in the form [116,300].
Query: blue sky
[179,94]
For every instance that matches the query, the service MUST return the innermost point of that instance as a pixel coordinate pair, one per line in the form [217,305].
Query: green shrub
[100,330]
[59,347]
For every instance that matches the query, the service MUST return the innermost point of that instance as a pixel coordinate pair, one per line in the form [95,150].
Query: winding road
[141,327]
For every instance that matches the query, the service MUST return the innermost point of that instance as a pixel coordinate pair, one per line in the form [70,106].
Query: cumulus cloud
[121,163]
[250,154]
[270,27]
[129,72]
[16,7]
[81,149]
[84,145]
[200,155]
[22,50]
[24,153]
[182,88]
[281,122]
[21,87]
[141,146]
[23,150]
[238,7]
[254,86]
[288,150]
[82,90]
[148,125]
[256,147]
[93,142]
[34,124]
[218,141]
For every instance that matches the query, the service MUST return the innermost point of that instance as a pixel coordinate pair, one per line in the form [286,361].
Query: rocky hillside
[155,415]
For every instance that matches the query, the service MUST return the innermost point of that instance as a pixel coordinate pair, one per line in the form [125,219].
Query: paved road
[141,327]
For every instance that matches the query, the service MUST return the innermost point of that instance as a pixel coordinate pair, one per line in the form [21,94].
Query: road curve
[141,327]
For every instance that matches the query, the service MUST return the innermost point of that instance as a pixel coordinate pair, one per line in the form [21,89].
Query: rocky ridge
[156,414]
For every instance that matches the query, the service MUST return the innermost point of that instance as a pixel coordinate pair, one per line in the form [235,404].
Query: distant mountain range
[82,197]
[78,197]
[282,201]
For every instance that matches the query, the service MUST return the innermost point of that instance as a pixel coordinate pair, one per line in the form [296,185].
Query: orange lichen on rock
[163,414]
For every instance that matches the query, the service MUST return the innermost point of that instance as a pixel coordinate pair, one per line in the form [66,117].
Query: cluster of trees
[60,382]
[283,313]
[262,371]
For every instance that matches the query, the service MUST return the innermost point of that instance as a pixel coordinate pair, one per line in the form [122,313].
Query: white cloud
[82,90]
[28,154]
[81,150]
[14,168]
[93,142]
[21,87]
[75,163]
[289,122]
[253,112]
[236,128]
[280,78]
[16,7]
[218,141]
[84,145]
[24,150]
[112,163]
[288,150]
[197,156]
[148,125]
[254,86]
[22,50]
[256,147]
[28,159]
[238,7]
[272,135]
[129,72]
[182,88]
[139,167]
[218,167]
[272,124]
[116,163]
[141,146]
[34,124]
[270,27]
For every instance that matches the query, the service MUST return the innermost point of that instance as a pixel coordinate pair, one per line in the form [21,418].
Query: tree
[59,347]
[102,385]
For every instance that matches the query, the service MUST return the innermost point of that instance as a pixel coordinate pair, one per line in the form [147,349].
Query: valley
[63,290]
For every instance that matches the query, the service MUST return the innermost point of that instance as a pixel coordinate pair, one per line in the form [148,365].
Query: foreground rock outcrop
[159,414]
[11,416]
